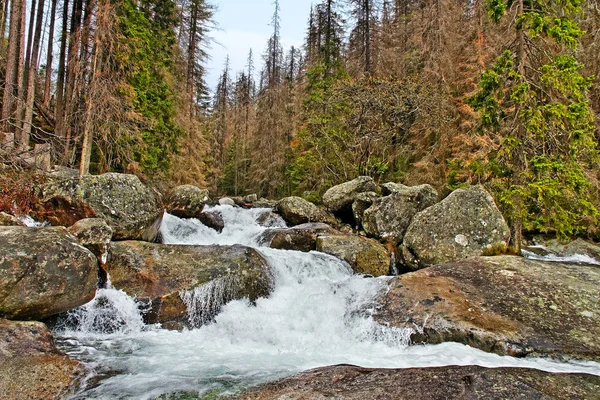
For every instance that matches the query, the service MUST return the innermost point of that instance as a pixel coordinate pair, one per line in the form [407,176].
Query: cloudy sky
[245,25]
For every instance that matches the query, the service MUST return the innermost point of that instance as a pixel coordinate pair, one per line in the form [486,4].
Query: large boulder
[339,199]
[269,219]
[94,234]
[186,201]
[361,204]
[213,219]
[505,305]
[365,256]
[348,382]
[43,271]
[162,275]
[299,238]
[30,365]
[296,210]
[463,225]
[127,205]
[389,217]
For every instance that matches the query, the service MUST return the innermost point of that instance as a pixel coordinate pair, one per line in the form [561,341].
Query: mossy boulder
[295,211]
[505,305]
[94,234]
[186,201]
[450,383]
[123,201]
[159,274]
[43,271]
[365,256]
[30,365]
[339,199]
[389,217]
[463,225]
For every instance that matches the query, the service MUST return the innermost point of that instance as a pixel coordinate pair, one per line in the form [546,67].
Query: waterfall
[318,314]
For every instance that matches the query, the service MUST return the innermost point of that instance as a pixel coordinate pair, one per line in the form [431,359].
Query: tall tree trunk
[368,67]
[49,55]
[32,73]
[88,137]
[12,64]
[21,75]
[4,9]
[60,80]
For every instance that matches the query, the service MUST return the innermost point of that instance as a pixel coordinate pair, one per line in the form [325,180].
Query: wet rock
[128,206]
[296,210]
[270,220]
[186,201]
[361,204]
[9,220]
[300,238]
[30,365]
[158,274]
[43,271]
[505,305]
[389,217]
[460,383]
[339,199]
[365,256]
[212,219]
[553,246]
[226,201]
[94,234]
[462,225]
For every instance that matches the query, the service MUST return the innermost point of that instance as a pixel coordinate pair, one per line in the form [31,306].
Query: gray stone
[300,238]
[43,271]
[296,210]
[463,225]
[339,199]
[251,198]
[94,234]
[186,201]
[226,201]
[270,219]
[389,217]
[361,204]
[212,219]
[365,256]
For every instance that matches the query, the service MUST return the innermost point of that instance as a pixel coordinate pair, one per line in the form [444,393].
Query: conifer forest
[502,93]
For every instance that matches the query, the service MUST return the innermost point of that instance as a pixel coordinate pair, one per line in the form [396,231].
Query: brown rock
[30,365]
[505,305]
[300,238]
[9,220]
[345,382]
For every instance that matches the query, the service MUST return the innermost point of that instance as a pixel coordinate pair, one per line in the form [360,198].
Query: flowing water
[318,314]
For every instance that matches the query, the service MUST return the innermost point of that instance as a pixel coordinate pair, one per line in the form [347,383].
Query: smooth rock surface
[9,220]
[505,305]
[186,201]
[43,271]
[159,273]
[365,256]
[127,205]
[463,225]
[226,201]
[30,365]
[340,198]
[389,217]
[362,202]
[300,237]
[346,382]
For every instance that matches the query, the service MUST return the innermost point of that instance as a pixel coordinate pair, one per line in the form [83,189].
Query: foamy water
[318,314]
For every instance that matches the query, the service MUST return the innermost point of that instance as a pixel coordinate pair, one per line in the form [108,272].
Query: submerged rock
[389,217]
[460,383]
[186,201]
[160,274]
[43,271]
[365,256]
[339,199]
[300,238]
[30,365]
[128,206]
[505,305]
[463,225]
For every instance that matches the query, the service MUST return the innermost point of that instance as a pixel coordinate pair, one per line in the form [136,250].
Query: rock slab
[463,225]
[30,365]
[159,274]
[127,205]
[43,271]
[505,305]
[346,382]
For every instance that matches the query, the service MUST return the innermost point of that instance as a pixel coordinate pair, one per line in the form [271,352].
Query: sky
[245,24]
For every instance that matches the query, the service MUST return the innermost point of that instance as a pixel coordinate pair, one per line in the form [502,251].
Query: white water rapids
[317,315]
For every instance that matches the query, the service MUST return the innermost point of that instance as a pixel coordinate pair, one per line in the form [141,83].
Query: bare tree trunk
[12,63]
[88,137]
[21,74]
[49,56]
[31,78]
[30,35]
[60,81]
[3,13]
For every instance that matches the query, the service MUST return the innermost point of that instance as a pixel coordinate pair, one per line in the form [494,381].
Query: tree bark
[21,75]
[12,63]
[50,55]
